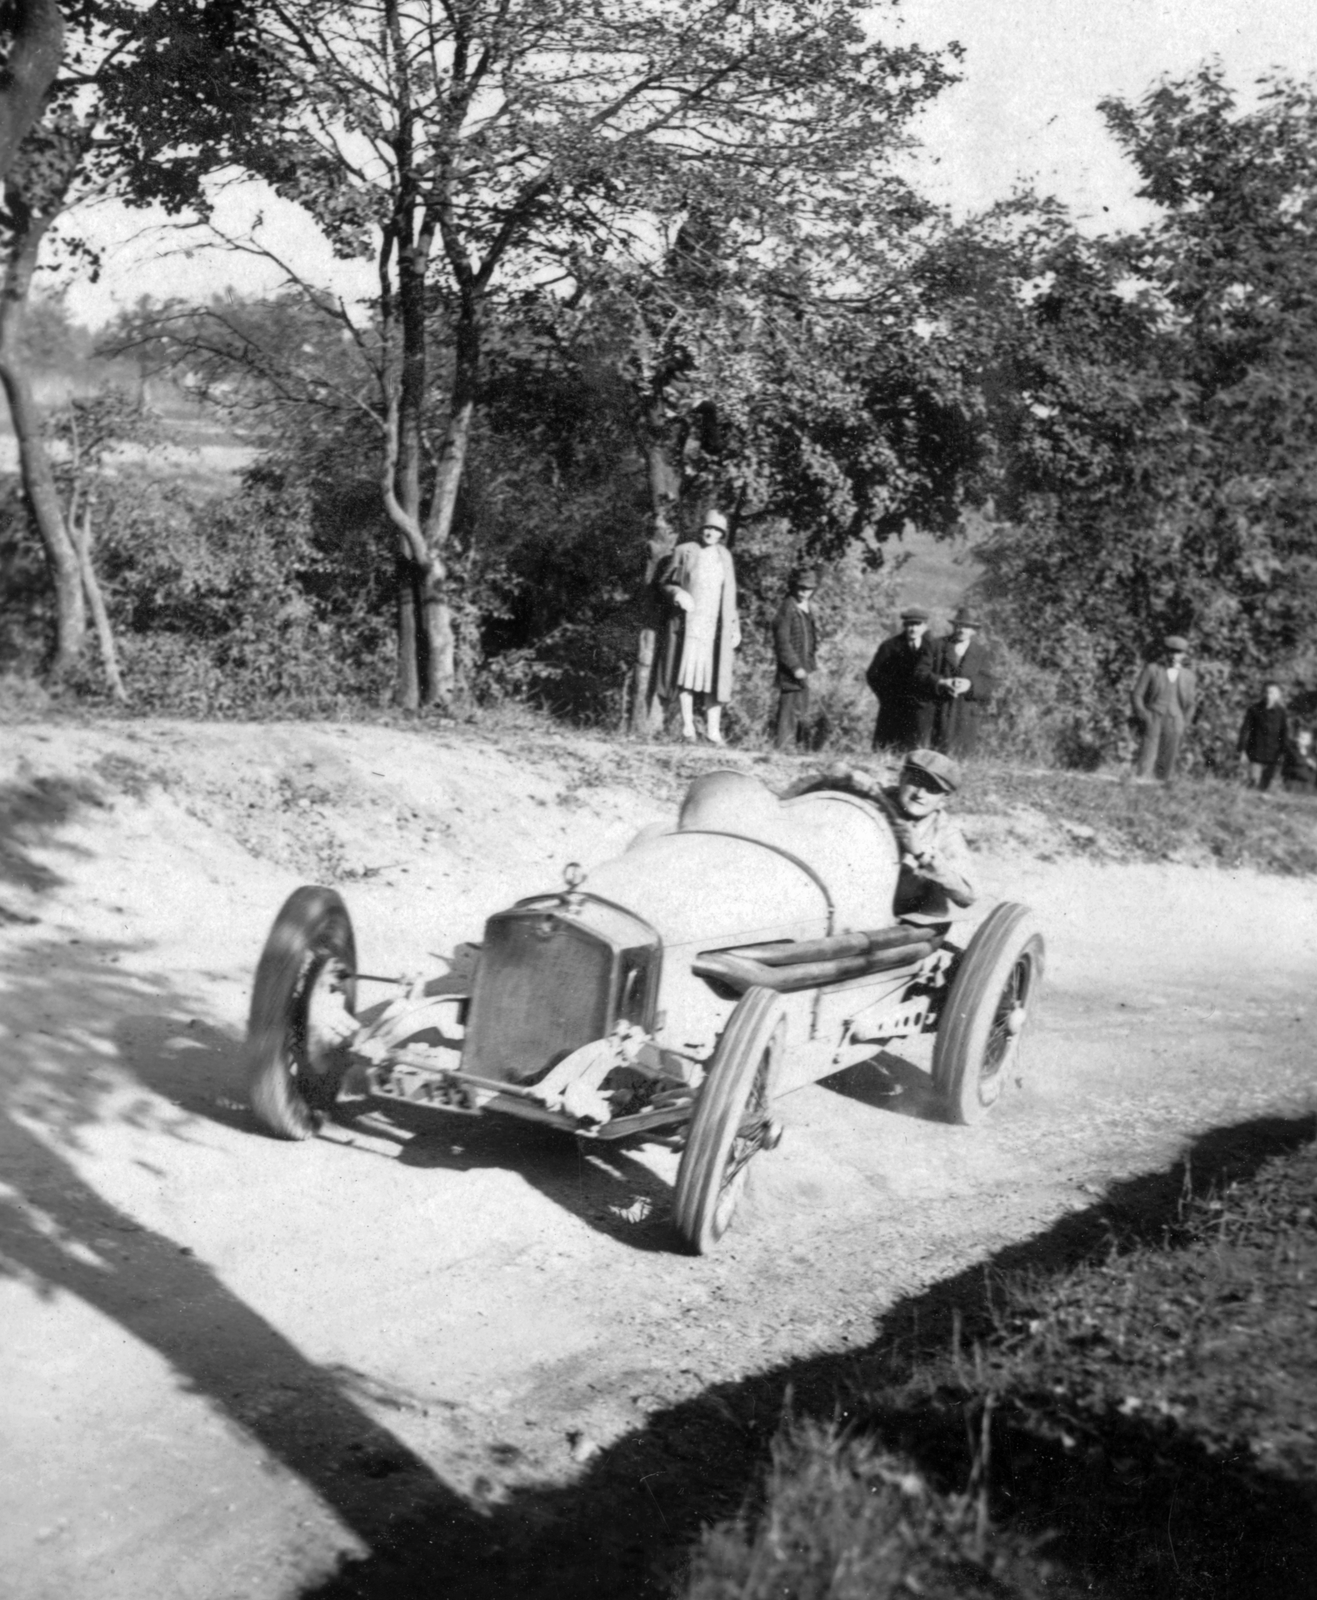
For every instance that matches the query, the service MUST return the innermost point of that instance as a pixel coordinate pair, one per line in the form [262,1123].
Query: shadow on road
[30,815]
[625,1529]
[199,1068]
[595,1181]
[59,1076]
[889,1082]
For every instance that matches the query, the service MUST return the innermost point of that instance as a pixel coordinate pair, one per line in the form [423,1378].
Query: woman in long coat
[698,581]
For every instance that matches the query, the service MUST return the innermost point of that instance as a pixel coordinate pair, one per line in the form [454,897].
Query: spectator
[961,678]
[1163,701]
[900,676]
[1263,737]
[1299,765]
[699,582]
[795,643]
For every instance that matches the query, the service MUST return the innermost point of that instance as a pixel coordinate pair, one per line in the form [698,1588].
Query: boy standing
[795,644]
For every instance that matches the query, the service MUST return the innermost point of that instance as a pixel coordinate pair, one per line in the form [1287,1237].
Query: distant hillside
[936,572]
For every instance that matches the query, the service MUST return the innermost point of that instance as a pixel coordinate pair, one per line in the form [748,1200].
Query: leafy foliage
[470,150]
[1160,419]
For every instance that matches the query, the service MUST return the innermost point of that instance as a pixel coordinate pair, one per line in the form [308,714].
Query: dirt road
[229,1362]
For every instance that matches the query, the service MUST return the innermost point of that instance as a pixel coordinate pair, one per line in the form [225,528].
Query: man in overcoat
[962,681]
[795,645]
[899,675]
[698,582]
[1163,701]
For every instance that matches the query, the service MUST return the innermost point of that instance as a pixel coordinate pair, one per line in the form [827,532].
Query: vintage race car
[682,987]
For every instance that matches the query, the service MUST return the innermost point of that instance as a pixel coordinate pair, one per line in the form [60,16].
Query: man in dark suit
[1264,737]
[899,676]
[962,680]
[795,644]
[1163,701]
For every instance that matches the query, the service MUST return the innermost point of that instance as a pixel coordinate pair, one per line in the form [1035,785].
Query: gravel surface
[232,1363]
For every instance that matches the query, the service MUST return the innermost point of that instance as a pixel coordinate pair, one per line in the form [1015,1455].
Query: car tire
[309,960]
[730,1122]
[978,1035]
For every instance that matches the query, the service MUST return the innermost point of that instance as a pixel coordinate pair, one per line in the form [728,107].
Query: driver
[935,883]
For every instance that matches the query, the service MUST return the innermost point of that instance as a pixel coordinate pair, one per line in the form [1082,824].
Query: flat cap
[933,764]
[914,614]
[1176,641]
[805,578]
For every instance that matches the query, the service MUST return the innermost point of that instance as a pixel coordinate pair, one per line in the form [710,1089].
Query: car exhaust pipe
[741,970]
[793,952]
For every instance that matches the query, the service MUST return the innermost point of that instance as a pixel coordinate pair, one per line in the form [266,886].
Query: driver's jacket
[935,883]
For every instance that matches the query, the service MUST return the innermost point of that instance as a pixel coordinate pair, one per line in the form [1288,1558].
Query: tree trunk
[407,688]
[34,463]
[96,601]
[440,638]
[35,188]
[442,663]
[413,253]
[35,51]
[664,490]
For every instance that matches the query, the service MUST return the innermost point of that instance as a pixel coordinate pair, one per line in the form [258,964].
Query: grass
[1198,821]
[1139,1425]
[1201,821]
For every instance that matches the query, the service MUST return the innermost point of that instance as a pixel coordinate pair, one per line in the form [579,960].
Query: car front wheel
[303,1001]
[730,1124]
[978,1036]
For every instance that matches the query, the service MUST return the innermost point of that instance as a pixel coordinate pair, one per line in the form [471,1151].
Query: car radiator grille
[542,990]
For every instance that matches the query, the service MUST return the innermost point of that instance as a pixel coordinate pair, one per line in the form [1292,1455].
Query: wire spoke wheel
[1004,1033]
[748,1141]
[978,1039]
[731,1122]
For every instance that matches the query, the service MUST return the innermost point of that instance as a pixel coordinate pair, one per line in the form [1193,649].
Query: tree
[89,430]
[469,146]
[34,41]
[35,46]
[67,100]
[35,193]
[1161,470]
[48,123]
[786,395]
[1231,263]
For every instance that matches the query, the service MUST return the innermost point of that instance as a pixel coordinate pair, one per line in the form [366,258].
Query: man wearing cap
[900,675]
[795,644]
[1163,701]
[699,583]
[962,681]
[934,884]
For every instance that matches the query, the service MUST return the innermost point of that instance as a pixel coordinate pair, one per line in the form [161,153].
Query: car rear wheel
[978,1035]
[305,992]
[730,1123]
